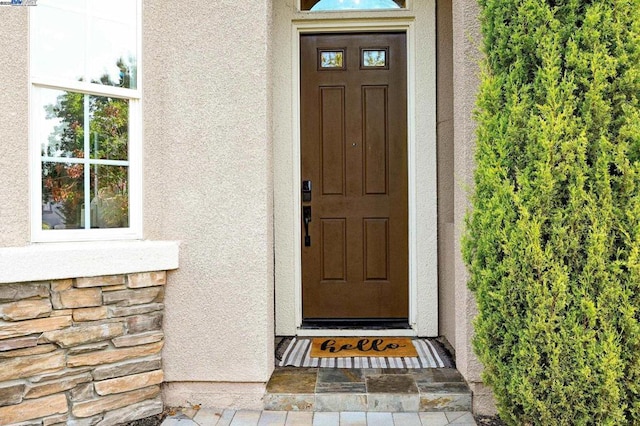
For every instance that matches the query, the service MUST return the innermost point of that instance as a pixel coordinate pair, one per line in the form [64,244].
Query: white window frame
[133,162]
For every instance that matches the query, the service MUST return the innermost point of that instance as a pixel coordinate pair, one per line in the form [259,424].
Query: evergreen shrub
[553,236]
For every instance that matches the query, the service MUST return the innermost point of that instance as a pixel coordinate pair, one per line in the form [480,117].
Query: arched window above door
[330,5]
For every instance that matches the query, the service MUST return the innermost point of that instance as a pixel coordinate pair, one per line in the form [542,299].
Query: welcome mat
[347,347]
[297,353]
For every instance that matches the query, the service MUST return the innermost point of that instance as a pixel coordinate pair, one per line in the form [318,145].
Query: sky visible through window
[323,5]
[69,31]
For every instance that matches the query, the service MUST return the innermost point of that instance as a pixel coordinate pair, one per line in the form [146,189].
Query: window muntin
[85,107]
[338,5]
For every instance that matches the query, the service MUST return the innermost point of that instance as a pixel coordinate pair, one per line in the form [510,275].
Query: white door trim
[358,26]
[419,24]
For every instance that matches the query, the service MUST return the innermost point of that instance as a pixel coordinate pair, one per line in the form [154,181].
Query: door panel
[332,140]
[376,142]
[354,150]
[376,249]
[334,251]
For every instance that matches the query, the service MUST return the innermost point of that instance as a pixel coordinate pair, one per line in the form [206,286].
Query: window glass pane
[58,44]
[87,40]
[114,10]
[112,43]
[62,195]
[60,123]
[109,197]
[325,5]
[331,59]
[109,126]
[374,58]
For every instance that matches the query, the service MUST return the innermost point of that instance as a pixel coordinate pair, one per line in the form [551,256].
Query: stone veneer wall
[82,351]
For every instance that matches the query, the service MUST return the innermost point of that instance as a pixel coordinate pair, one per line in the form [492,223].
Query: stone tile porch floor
[211,417]
[332,396]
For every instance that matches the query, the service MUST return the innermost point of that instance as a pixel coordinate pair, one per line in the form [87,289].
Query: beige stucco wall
[458,77]
[208,184]
[445,131]
[14,126]
[466,75]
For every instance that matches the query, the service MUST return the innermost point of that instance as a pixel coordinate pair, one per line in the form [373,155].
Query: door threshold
[355,332]
[359,323]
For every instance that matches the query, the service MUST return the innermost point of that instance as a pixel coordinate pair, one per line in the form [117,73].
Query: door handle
[306,217]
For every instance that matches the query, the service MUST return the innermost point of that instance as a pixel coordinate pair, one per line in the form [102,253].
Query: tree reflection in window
[66,158]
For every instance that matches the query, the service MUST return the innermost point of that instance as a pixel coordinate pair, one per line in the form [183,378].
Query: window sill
[52,261]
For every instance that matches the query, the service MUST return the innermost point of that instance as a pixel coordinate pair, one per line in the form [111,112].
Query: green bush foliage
[553,236]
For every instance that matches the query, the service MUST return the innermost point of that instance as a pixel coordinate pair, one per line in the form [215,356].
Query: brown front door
[354,154]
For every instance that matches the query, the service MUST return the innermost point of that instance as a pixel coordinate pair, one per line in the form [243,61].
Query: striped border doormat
[430,355]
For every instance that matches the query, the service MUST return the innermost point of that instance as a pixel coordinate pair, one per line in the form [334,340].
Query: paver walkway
[213,417]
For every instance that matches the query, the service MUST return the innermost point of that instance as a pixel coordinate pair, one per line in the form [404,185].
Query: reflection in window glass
[328,5]
[110,197]
[82,130]
[58,47]
[330,59]
[83,161]
[374,58]
[93,41]
[60,123]
[62,195]
[108,121]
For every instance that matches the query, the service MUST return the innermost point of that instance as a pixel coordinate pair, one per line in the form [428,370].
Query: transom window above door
[335,5]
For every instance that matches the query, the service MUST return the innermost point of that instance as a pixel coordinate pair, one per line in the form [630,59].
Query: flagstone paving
[213,417]
[350,397]
[367,389]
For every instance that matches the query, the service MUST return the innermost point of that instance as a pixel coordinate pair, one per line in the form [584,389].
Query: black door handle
[306,217]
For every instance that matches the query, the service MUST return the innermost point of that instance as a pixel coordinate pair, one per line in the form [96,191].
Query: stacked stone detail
[81,351]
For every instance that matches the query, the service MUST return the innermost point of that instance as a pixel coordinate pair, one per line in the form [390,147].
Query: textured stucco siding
[207,176]
[445,131]
[14,126]
[208,184]
[466,78]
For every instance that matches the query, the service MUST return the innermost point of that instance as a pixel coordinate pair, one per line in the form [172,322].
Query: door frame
[407,26]
[395,196]
[419,23]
